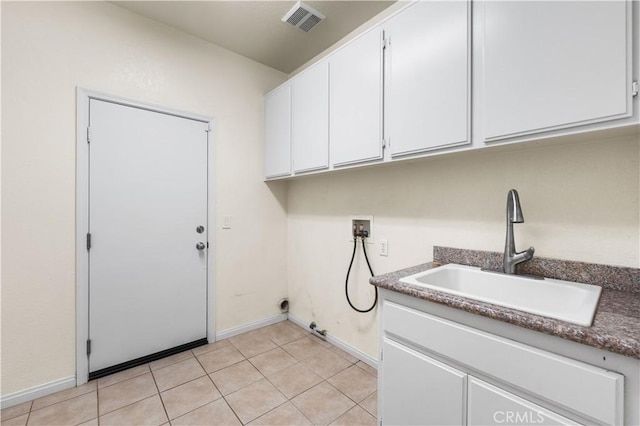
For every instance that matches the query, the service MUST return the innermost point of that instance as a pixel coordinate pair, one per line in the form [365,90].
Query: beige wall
[580,202]
[48,49]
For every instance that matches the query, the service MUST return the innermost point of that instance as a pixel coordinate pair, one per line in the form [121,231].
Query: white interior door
[148,194]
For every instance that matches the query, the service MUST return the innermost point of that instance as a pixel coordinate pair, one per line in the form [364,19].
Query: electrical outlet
[384,248]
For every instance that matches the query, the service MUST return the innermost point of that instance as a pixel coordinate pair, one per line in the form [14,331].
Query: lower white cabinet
[434,371]
[420,390]
[490,405]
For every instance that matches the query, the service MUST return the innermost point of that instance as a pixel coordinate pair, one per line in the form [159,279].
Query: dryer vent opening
[284,305]
[303,17]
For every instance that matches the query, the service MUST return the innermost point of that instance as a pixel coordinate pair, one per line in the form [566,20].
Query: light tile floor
[277,375]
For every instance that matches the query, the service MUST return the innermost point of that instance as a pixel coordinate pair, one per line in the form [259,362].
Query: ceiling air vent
[303,17]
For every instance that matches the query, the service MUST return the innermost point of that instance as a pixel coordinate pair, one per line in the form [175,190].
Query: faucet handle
[528,253]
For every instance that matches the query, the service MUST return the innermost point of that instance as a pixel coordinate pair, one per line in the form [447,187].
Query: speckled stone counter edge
[606,276]
[612,332]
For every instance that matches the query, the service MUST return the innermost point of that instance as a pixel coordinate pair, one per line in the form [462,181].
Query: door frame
[83,97]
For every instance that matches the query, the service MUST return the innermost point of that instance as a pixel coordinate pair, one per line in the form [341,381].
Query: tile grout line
[31,409]
[197,378]
[289,400]
[326,380]
[214,384]
[166,413]
[231,408]
[264,376]
[173,387]
[130,404]
[366,409]
[224,397]
[126,405]
[98,402]
[29,413]
[299,361]
[341,393]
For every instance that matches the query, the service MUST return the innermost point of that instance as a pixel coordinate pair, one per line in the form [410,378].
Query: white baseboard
[251,326]
[37,392]
[69,382]
[339,343]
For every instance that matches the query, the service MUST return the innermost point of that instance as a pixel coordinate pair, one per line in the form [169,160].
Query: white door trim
[82,218]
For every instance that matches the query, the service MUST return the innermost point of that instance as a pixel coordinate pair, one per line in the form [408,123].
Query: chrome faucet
[514,215]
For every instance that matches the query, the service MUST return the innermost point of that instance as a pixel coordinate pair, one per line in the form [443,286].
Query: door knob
[200,229]
[200,245]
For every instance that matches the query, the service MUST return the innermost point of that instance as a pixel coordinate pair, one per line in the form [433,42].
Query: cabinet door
[310,119]
[277,132]
[418,390]
[355,98]
[428,77]
[489,405]
[551,65]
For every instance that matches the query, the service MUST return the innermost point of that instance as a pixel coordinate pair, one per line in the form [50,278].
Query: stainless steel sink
[563,300]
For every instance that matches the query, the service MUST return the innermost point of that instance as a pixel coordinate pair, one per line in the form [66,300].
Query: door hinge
[386,41]
[634,89]
[384,143]
[88,241]
[88,346]
[381,355]
[88,134]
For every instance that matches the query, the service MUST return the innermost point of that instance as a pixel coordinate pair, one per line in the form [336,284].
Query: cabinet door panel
[355,98]
[277,132]
[310,119]
[418,390]
[489,405]
[428,77]
[549,65]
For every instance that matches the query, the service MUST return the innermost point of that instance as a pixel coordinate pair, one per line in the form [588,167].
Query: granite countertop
[616,326]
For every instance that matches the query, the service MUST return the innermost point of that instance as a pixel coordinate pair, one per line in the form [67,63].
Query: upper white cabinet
[552,65]
[355,100]
[416,84]
[277,132]
[428,77]
[310,119]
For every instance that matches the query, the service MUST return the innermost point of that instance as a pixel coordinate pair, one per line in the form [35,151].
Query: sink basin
[563,300]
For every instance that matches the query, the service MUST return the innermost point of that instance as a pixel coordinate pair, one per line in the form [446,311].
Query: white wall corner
[225,334]
[339,344]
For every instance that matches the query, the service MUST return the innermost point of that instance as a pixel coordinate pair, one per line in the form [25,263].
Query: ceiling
[254,28]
